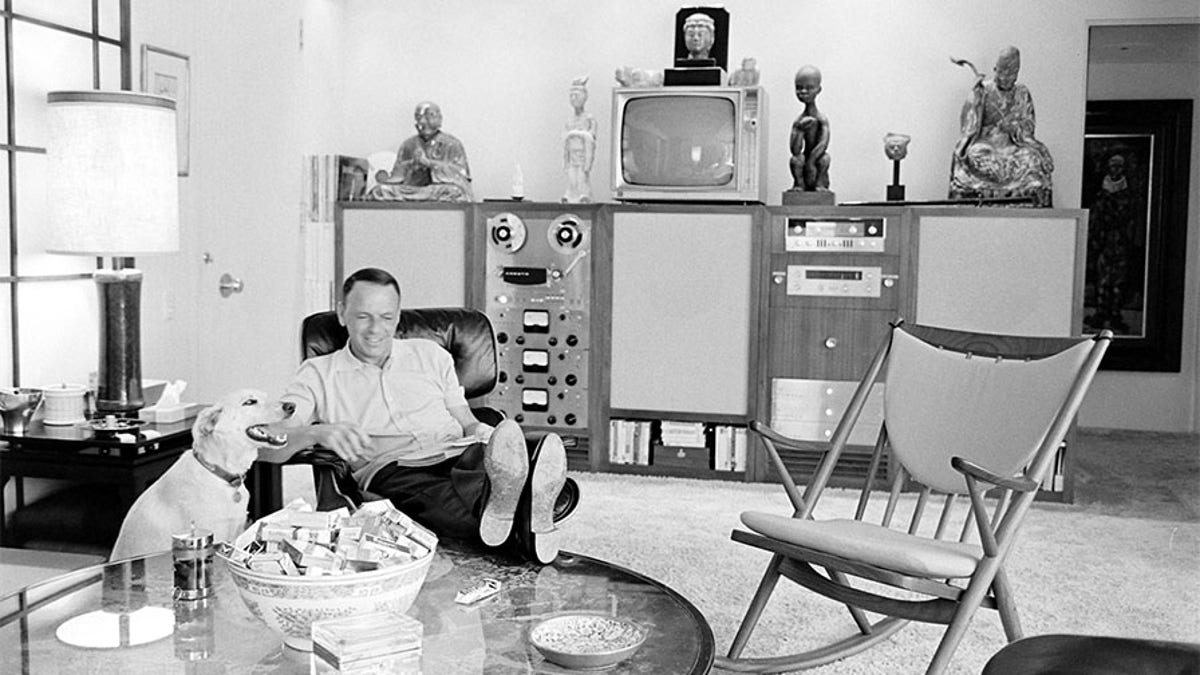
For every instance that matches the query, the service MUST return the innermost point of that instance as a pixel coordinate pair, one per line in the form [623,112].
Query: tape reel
[566,233]
[507,232]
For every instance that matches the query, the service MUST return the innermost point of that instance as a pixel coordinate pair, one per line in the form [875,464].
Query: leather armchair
[465,333]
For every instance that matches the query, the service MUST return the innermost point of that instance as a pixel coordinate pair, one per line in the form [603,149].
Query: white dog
[204,486]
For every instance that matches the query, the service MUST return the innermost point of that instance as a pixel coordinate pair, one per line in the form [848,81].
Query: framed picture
[166,73]
[1135,187]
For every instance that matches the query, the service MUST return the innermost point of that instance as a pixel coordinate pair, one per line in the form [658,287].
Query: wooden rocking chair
[964,413]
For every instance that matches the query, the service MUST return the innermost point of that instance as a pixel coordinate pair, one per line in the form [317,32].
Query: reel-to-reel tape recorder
[537,289]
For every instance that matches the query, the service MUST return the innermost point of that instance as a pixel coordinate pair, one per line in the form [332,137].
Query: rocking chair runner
[964,413]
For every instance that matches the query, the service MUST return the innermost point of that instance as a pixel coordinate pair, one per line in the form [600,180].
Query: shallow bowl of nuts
[587,641]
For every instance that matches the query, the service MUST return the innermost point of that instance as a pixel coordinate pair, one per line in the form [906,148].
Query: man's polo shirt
[404,405]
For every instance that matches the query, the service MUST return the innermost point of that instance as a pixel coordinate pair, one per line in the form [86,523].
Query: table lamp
[112,190]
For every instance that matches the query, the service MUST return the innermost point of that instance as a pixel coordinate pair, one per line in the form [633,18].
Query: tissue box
[152,390]
[164,415]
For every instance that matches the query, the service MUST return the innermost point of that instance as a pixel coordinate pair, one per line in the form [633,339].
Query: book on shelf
[723,448]
[684,434]
[739,449]
[329,179]
[629,442]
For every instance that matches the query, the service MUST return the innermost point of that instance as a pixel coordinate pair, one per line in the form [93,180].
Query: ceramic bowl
[587,641]
[289,604]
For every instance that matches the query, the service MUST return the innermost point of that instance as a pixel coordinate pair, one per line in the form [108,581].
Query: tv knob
[502,337]
[518,418]
[571,380]
[572,340]
[570,419]
[552,341]
[552,380]
[520,339]
[519,379]
[502,377]
[551,419]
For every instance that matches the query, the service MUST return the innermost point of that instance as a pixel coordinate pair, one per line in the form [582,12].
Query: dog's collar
[234,480]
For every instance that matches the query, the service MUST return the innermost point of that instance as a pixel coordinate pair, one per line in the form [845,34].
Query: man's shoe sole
[506,463]
[549,475]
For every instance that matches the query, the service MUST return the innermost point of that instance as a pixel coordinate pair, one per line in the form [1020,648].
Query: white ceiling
[1161,43]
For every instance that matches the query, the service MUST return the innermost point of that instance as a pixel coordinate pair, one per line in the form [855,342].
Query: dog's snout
[288,407]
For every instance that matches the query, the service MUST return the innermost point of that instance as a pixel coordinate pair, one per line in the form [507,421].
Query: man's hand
[481,432]
[348,441]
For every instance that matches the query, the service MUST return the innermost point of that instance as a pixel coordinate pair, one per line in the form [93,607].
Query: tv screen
[679,141]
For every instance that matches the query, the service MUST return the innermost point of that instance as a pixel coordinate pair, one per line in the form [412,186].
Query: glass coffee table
[491,637]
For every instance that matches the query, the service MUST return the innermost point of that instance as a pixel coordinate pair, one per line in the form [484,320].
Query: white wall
[265,82]
[501,71]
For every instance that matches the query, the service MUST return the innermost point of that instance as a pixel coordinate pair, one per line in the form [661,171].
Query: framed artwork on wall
[166,73]
[1135,187]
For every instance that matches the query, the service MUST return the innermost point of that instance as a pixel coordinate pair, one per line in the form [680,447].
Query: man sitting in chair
[394,410]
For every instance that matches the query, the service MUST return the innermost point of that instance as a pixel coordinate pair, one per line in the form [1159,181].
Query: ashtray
[586,641]
[113,425]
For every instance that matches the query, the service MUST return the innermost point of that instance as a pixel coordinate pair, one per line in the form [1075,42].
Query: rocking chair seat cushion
[872,544]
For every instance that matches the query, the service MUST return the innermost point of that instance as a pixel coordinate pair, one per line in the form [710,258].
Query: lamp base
[119,378]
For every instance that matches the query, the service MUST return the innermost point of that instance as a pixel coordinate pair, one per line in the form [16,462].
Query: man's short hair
[370,275]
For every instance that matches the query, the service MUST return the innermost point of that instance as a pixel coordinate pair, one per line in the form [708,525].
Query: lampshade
[111,177]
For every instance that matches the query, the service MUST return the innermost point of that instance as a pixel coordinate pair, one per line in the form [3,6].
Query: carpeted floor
[1122,560]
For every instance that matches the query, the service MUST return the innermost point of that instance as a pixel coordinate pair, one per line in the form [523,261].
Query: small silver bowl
[17,407]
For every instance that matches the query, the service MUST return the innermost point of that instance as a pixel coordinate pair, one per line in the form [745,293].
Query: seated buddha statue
[430,166]
[997,154]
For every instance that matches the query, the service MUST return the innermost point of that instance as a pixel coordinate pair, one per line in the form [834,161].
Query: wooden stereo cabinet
[701,317]
[684,336]
[836,277]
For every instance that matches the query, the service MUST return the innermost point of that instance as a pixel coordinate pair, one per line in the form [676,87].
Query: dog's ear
[206,422]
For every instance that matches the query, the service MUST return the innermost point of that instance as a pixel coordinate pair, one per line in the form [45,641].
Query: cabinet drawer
[674,455]
[824,345]
[810,410]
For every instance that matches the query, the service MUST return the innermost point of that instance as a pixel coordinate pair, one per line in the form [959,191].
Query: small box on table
[380,642]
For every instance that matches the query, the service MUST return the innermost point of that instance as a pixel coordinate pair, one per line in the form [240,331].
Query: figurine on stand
[430,166]
[747,75]
[895,146]
[809,144]
[701,48]
[997,155]
[579,146]
[699,34]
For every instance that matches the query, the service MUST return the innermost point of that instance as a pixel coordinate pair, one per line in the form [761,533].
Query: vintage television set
[689,144]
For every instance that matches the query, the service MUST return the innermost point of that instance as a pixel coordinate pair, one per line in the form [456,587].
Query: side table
[128,461]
